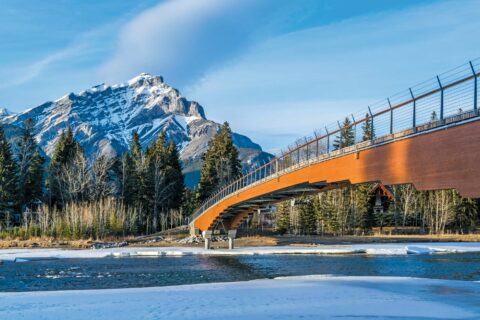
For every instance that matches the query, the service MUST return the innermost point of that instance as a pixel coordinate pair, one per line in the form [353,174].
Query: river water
[102,273]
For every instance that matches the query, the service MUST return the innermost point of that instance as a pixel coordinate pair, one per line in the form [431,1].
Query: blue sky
[275,69]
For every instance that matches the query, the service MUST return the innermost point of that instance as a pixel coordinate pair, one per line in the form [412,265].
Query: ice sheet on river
[25,255]
[307,297]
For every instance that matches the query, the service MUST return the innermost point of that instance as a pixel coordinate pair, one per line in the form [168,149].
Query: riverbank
[24,255]
[307,297]
[175,240]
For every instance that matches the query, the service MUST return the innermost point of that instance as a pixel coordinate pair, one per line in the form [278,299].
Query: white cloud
[84,46]
[35,69]
[182,40]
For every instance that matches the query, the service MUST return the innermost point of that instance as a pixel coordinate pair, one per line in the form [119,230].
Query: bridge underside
[448,158]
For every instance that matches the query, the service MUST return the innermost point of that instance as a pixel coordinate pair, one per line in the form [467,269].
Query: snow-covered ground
[21,255]
[308,297]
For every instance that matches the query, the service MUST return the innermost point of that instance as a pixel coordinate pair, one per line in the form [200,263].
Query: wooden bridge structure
[428,136]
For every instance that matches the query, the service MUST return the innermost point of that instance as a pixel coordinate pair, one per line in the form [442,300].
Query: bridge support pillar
[231,238]
[207,236]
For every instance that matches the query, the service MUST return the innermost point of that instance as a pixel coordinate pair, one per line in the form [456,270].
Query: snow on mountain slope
[104,118]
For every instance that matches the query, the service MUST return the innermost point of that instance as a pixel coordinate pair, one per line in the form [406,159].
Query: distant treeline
[350,210]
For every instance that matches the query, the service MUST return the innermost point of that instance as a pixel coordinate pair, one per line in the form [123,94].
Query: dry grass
[46,243]
[246,241]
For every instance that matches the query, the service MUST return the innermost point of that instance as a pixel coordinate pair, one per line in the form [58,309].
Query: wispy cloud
[87,45]
[302,80]
[31,71]
[184,39]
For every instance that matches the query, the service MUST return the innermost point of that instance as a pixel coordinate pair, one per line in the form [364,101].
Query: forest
[73,197]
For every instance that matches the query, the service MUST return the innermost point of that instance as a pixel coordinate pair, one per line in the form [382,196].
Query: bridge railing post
[306,149]
[414,118]
[391,116]
[354,130]
[372,123]
[328,140]
[441,99]
[475,106]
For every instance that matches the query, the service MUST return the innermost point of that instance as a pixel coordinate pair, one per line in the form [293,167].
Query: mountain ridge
[103,119]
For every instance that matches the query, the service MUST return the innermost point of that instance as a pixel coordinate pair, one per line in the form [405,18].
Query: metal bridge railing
[448,98]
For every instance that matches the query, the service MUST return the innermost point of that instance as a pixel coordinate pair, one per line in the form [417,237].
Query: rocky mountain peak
[104,118]
[5,112]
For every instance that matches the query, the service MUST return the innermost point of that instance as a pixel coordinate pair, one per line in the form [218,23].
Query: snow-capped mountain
[4,112]
[104,118]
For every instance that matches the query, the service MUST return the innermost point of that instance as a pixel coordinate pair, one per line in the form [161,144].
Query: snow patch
[309,297]
[369,249]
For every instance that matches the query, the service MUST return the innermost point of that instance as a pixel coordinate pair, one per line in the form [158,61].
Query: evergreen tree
[283,217]
[128,180]
[63,155]
[8,179]
[136,148]
[141,191]
[220,163]
[466,215]
[175,179]
[346,136]
[307,217]
[229,166]
[364,206]
[368,130]
[155,185]
[30,168]
[209,180]
[326,211]
[189,203]
[161,184]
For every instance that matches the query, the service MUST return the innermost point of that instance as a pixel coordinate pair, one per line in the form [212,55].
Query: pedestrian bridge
[428,136]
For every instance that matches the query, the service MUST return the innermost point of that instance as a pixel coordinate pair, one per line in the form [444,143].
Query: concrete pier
[207,236]
[231,239]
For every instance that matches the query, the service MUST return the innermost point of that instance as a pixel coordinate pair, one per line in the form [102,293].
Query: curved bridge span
[442,152]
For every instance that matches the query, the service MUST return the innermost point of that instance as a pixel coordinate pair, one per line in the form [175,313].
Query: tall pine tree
[368,130]
[8,179]
[128,183]
[63,155]
[140,175]
[220,163]
[175,178]
[282,217]
[307,217]
[30,168]
[346,136]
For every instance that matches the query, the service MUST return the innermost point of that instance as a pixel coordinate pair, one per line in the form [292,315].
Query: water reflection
[142,272]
